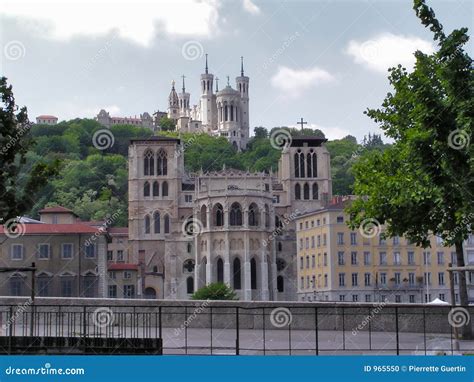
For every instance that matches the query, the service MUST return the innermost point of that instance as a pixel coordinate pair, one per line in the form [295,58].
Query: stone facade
[188,230]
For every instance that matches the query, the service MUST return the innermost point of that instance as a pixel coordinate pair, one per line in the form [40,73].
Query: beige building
[336,263]
[231,226]
[46,120]
[70,257]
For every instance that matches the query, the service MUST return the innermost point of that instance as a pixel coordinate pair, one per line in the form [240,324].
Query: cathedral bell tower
[208,108]
[242,83]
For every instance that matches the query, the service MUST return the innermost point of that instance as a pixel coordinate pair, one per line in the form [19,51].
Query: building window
[411,279]
[396,240]
[325,280]
[66,251]
[383,278]
[253,274]
[342,279]
[189,285]
[43,251]
[280,284]
[396,258]
[383,258]
[149,163]
[324,239]
[368,298]
[342,297]
[120,258]
[43,286]
[427,278]
[110,255]
[340,238]
[112,291]
[129,291]
[340,219]
[302,282]
[89,251]
[355,280]
[355,298]
[353,238]
[340,258]
[66,288]
[253,215]
[367,280]
[164,189]
[397,278]
[313,261]
[16,286]
[440,256]
[156,222]
[162,163]
[235,215]
[306,191]
[156,189]
[147,224]
[442,297]
[218,215]
[188,198]
[398,298]
[237,274]
[167,224]
[112,275]
[441,278]
[411,258]
[366,258]
[17,252]
[353,258]
[297,191]
[127,274]
[426,258]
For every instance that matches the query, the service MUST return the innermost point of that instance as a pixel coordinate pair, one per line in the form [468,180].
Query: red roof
[122,267]
[56,209]
[47,117]
[52,229]
[118,230]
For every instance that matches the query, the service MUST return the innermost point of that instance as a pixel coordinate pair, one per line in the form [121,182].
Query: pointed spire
[228,81]
[207,70]
[217,84]
[242,66]
[172,85]
[184,87]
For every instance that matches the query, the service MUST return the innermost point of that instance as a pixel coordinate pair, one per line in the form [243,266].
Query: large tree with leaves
[424,183]
[17,193]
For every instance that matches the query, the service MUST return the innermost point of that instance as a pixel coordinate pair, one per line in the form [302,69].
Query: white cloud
[250,7]
[137,21]
[113,110]
[330,132]
[294,82]
[387,50]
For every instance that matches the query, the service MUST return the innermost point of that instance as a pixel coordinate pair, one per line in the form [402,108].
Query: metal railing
[208,329]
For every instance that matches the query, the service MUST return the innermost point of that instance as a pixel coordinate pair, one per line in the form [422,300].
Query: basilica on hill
[232,226]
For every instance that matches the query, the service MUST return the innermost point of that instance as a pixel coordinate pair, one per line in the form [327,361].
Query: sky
[324,61]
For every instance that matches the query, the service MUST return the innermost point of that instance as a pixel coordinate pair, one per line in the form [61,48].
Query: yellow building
[336,263]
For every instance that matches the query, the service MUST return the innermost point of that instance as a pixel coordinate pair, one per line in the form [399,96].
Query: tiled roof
[122,267]
[55,229]
[47,117]
[118,230]
[56,209]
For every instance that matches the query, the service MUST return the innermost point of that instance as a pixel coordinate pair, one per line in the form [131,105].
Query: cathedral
[223,113]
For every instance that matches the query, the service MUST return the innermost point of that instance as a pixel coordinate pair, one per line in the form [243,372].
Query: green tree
[424,183]
[215,291]
[167,124]
[17,193]
[260,132]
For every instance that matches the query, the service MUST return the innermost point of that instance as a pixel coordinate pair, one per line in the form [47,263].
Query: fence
[227,328]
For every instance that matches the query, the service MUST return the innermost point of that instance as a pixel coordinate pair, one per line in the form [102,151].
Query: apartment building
[336,263]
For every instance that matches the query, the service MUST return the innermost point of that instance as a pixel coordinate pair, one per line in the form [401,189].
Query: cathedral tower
[242,83]
[208,108]
[173,103]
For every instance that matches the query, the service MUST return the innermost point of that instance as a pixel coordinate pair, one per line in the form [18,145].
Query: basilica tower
[242,83]
[208,101]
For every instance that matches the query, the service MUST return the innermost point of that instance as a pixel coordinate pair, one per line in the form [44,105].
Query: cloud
[294,82]
[113,110]
[387,50]
[330,132]
[139,21]
[250,7]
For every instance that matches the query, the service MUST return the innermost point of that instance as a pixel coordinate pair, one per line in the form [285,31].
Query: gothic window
[189,247]
[235,215]
[278,223]
[315,165]
[253,215]
[188,266]
[280,284]
[162,163]
[280,246]
[281,264]
[218,215]
[156,222]
[315,191]
[167,224]
[297,191]
[147,224]
[297,166]
[306,191]
[231,112]
[149,163]
[311,164]
[156,189]
[236,271]
[301,155]
[204,216]
[164,190]
[189,285]
[225,113]
[220,271]
[146,189]
[253,274]
[267,216]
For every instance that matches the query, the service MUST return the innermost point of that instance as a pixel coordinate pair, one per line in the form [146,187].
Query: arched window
[306,191]
[164,189]
[297,191]
[218,215]
[253,274]
[278,223]
[188,266]
[235,214]
[149,163]
[156,189]
[297,165]
[167,224]
[315,191]
[204,215]
[162,164]
[311,164]
[189,247]
[189,285]
[280,246]
[146,189]
[280,284]
[147,224]
[267,216]
[220,270]
[156,222]
[253,215]
[281,264]
[301,164]
[236,271]
[150,293]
